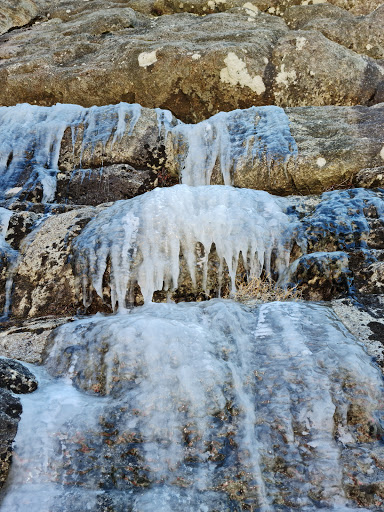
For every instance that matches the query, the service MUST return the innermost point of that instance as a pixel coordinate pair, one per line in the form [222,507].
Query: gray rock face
[97,53]
[16,378]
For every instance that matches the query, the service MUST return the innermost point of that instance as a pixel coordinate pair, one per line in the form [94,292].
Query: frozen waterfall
[32,140]
[192,406]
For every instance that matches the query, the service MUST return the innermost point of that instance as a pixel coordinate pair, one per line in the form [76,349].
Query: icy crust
[346,215]
[211,398]
[31,138]
[142,239]
[230,139]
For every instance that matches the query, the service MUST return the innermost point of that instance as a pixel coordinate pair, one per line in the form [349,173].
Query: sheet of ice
[143,237]
[31,139]
[257,134]
[346,214]
[199,398]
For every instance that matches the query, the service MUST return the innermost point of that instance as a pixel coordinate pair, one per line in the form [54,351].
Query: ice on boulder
[142,239]
[31,139]
[228,139]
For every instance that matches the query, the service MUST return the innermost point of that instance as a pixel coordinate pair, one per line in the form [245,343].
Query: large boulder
[196,66]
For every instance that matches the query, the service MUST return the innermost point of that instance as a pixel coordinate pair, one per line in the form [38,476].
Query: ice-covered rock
[141,241]
[213,403]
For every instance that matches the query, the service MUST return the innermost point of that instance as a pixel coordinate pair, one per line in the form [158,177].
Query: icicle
[229,138]
[144,237]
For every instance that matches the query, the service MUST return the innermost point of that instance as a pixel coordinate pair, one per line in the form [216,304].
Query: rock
[332,145]
[321,276]
[44,283]
[16,378]
[305,61]
[26,340]
[346,220]
[110,183]
[193,65]
[10,411]
[363,316]
[20,225]
[370,178]
[12,16]
[361,34]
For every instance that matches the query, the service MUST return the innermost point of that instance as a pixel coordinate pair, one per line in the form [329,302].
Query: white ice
[228,139]
[31,139]
[144,237]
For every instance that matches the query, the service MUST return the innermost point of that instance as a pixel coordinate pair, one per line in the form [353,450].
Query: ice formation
[229,138]
[143,238]
[197,397]
[31,138]
[345,214]
[32,135]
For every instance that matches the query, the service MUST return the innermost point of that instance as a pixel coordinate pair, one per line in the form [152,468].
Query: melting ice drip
[229,139]
[143,238]
[31,139]
[207,406]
